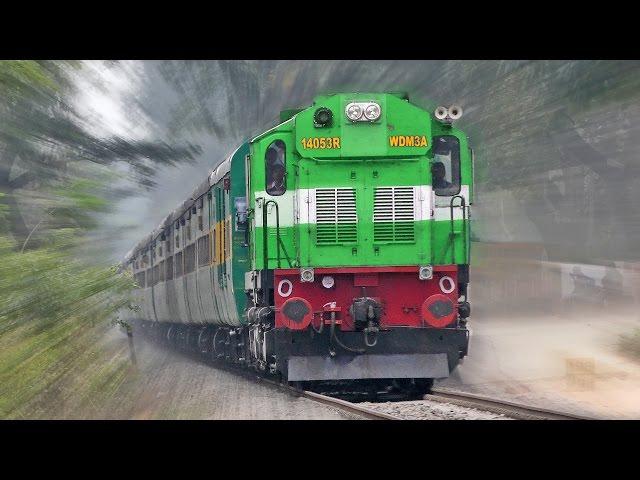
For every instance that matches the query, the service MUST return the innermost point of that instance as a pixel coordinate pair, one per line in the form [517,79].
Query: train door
[213,271]
[228,252]
[203,277]
[153,271]
[172,299]
[450,199]
[273,180]
[221,266]
[186,264]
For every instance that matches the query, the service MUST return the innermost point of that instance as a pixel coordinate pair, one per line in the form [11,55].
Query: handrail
[452,234]
[265,238]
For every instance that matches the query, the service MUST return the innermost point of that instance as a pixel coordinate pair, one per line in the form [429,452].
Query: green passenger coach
[332,247]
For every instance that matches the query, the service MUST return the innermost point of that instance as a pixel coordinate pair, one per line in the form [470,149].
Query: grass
[70,370]
[60,355]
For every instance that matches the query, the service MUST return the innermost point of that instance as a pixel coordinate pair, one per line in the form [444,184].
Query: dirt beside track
[166,385]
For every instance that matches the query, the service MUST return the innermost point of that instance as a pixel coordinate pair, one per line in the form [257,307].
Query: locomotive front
[359,238]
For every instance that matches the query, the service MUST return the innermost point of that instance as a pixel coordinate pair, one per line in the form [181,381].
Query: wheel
[203,342]
[413,388]
[298,385]
[420,387]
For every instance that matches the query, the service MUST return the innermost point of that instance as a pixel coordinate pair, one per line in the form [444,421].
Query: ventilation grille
[393,214]
[336,217]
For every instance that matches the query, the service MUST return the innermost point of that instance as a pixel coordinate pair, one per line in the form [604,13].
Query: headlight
[372,112]
[441,113]
[354,112]
[328,281]
[455,112]
[363,111]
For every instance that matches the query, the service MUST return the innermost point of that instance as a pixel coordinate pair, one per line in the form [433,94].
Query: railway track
[510,409]
[442,395]
[462,399]
[351,408]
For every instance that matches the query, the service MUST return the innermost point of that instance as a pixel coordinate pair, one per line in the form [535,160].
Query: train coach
[332,247]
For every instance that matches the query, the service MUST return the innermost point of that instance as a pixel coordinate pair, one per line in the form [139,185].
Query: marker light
[372,112]
[441,113]
[354,111]
[455,112]
[306,275]
[328,281]
[425,273]
[363,111]
[322,117]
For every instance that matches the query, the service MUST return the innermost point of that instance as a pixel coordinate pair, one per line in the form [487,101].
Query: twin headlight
[448,115]
[363,111]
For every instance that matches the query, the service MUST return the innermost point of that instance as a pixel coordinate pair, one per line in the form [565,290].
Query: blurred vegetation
[58,301]
[54,307]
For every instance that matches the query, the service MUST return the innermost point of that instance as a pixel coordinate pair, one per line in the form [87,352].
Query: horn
[441,113]
[455,112]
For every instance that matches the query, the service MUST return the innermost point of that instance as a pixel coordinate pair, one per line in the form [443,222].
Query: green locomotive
[334,246]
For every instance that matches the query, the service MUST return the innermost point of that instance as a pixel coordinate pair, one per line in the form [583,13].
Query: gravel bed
[429,410]
[168,385]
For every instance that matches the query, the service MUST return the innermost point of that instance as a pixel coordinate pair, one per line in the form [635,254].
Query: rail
[511,409]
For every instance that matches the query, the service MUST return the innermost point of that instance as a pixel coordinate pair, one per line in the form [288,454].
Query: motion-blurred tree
[40,129]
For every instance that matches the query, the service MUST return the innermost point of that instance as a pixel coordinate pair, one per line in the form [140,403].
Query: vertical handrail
[464,225]
[265,237]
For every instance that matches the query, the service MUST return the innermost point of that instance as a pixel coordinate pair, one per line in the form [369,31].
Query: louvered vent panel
[336,217]
[393,214]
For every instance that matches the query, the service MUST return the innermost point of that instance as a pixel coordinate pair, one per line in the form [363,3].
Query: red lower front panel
[406,300]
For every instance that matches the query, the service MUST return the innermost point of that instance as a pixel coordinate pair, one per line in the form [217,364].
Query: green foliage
[18,77]
[56,306]
[3,214]
[48,284]
[58,302]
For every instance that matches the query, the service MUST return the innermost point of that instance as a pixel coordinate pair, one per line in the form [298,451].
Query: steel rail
[349,407]
[343,405]
[511,409]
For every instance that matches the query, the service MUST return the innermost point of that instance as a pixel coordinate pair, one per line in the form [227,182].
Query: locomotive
[333,247]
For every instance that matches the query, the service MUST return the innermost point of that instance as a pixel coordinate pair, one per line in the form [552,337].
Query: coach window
[190,258]
[445,170]
[203,251]
[178,265]
[275,168]
[241,213]
[169,275]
